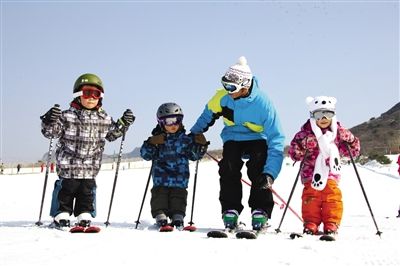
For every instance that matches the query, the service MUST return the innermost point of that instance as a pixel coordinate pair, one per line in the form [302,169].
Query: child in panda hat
[320,142]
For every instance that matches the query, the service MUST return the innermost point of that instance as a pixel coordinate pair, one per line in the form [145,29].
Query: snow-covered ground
[23,243]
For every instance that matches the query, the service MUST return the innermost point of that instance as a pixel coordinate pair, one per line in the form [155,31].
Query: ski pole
[278,230]
[194,192]
[39,222]
[286,204]
[107,223]
[273,191]
[144,196]
[362,188]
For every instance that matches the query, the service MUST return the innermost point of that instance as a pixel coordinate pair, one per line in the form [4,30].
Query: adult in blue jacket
[251,131]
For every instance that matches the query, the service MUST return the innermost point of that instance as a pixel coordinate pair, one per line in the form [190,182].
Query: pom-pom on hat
[321,103]
[239,73]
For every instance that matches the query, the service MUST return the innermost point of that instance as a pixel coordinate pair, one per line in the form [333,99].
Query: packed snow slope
[24,243]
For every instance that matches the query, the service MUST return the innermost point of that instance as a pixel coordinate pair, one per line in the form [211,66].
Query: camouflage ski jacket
[171,159]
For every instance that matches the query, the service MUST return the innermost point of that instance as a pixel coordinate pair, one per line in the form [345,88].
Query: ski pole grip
[57,105]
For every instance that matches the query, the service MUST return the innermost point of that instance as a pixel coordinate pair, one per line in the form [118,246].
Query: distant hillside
[133,155]
[107,158]
[380,135]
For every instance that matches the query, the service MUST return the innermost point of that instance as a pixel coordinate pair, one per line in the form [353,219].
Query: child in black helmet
[170,149]
[82,130]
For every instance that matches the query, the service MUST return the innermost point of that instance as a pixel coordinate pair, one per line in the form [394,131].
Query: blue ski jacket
[171,159]
[249,118]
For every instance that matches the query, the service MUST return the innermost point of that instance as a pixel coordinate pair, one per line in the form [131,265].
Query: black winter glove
[126,120]
[264,181]
[200,149]
[201,143]
[52,115]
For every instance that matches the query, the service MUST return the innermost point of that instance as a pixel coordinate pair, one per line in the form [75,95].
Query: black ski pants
[230,175]
[168,200]
[66,190]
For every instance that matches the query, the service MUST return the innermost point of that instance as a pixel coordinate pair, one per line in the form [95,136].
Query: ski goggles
[318,115]
[234,86]
[89,93]
[170,120]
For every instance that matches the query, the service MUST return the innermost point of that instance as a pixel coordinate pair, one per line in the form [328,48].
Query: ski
[77,229]
[81,229]
[247,234]
[295,235]
[166,228]
[251,234]
[190,228]
[170,228]
[92,229]
[323,237]
[53,225]
[220,233]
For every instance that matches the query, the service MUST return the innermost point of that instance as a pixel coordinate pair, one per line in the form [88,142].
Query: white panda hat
[321,103]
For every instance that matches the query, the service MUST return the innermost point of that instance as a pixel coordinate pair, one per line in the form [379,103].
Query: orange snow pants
[324,206]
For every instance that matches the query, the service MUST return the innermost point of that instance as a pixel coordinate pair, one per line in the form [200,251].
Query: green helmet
[88,79]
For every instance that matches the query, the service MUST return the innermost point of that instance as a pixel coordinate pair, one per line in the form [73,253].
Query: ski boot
[84,219]
[258,219]
[61,221]
[330,229]
[310,228]
[230,218]
[161,220]
[177,221]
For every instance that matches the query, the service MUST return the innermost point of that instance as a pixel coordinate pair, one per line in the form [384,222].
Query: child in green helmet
[82,131]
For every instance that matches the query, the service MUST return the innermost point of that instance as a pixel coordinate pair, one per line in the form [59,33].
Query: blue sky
[151,52]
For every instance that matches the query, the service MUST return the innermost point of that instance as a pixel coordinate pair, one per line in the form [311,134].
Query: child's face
[324,122]
[88,101]
[171,129]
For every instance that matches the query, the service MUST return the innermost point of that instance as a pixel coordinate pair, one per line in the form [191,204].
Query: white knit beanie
[240,73]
